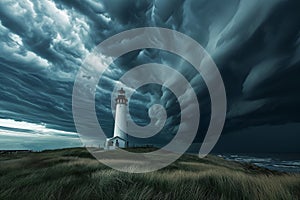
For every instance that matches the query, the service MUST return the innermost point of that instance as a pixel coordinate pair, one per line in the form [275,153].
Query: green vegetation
[74,174]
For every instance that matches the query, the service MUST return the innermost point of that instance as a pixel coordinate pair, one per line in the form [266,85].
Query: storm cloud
[255,44]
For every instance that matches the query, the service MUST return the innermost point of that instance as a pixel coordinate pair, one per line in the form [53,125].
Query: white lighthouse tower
[120,136]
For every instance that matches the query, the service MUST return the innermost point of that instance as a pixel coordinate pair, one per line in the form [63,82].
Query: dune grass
[74,174]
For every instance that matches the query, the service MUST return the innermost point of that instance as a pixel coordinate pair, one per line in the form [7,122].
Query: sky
[255,44]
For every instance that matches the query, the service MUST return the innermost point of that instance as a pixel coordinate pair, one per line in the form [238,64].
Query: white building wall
[111,143]
[121,143]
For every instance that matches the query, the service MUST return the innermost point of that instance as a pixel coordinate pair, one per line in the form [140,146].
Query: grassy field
[74,174]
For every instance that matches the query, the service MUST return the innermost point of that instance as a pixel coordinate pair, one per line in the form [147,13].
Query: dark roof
[121,91]
[116,137]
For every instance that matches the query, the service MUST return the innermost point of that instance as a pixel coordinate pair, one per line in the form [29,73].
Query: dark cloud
[256,45]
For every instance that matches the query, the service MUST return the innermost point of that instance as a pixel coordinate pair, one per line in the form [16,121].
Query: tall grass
[73,174]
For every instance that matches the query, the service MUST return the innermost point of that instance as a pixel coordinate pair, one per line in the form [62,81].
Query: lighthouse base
[115,142]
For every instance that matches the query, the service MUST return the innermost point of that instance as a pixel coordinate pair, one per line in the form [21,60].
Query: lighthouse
[119,138]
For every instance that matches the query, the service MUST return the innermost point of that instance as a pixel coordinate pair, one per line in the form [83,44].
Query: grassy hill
[75,174]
